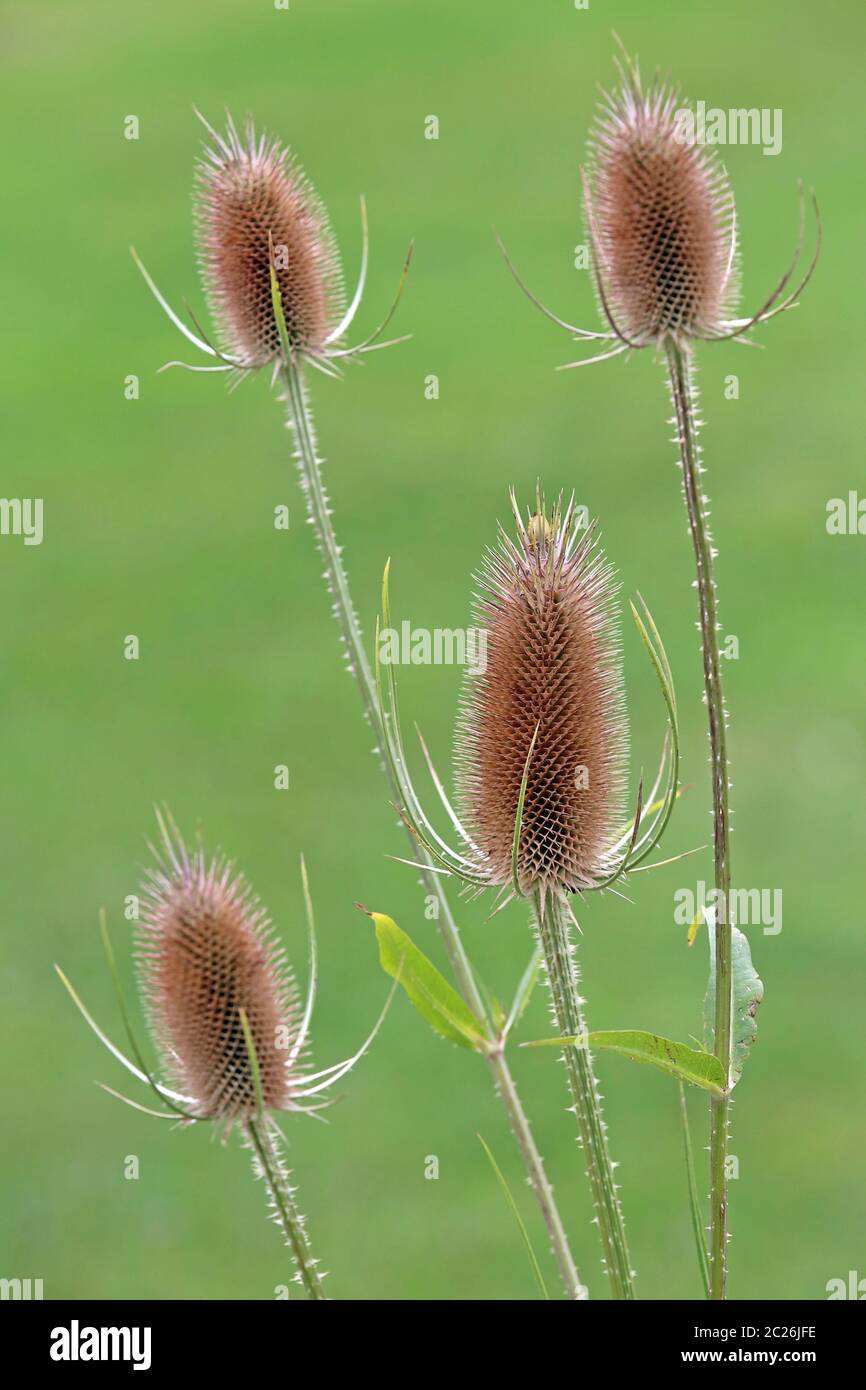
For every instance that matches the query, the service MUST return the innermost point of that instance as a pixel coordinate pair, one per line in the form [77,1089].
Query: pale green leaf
[698,1221]
[747,993]
[433,997]
[698,1068]
[527,1243]
[527,984]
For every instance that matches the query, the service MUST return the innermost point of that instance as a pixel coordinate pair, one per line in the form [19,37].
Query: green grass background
[158,522]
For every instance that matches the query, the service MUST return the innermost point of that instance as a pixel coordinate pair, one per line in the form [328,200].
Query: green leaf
[518,819]
[747,993]
[533,1261]
[254,1062]
[433,997]
[698,1068]
[497,1014]
[694,927]
[698,1221]
[527,984]
[277,305]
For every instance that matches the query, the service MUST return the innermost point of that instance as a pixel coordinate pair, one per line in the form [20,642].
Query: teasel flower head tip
[269,263]
[542,741]
[662,228]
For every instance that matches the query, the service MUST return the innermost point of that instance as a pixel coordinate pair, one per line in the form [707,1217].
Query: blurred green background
[158,522]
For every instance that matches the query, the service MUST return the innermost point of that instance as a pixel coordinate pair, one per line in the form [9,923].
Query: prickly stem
[682,394]
[268,1164]
[552,922]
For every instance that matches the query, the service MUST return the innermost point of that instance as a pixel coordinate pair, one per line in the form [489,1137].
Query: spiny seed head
[251,197]
[206,951]
[553,673]
[661,216]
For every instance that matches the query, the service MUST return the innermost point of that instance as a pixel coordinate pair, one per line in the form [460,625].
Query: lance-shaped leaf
[518,819]
[747,993]
[521,1226]
[528,981]
[698,1218]
[433,997]
[698,1068]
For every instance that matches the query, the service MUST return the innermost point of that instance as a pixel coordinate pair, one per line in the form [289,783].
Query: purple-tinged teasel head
[255,208]
[553,685]
[206,951]
[661,217]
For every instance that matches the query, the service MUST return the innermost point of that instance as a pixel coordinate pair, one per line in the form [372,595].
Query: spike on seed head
[206,951]
[253,203]
[661,216]
[553,666]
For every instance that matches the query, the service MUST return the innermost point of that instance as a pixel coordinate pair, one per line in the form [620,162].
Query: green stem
[290,1217]
[684,406]
[317,502]
[553,930]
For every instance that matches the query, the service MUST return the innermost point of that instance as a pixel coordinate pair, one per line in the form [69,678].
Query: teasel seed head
[255,207]
[661,218]
[553,675]
[206,951]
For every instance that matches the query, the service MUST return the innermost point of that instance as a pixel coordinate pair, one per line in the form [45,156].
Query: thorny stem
[300,420]
[289,1216]
[684,406]
[553,931]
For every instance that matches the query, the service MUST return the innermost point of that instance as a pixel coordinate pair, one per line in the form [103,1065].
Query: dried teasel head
[542,743]
[663,230]
[548,706]
[220,996]
[206,952]
[661,217]
[270,266]
[254,209]
[225,1013]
